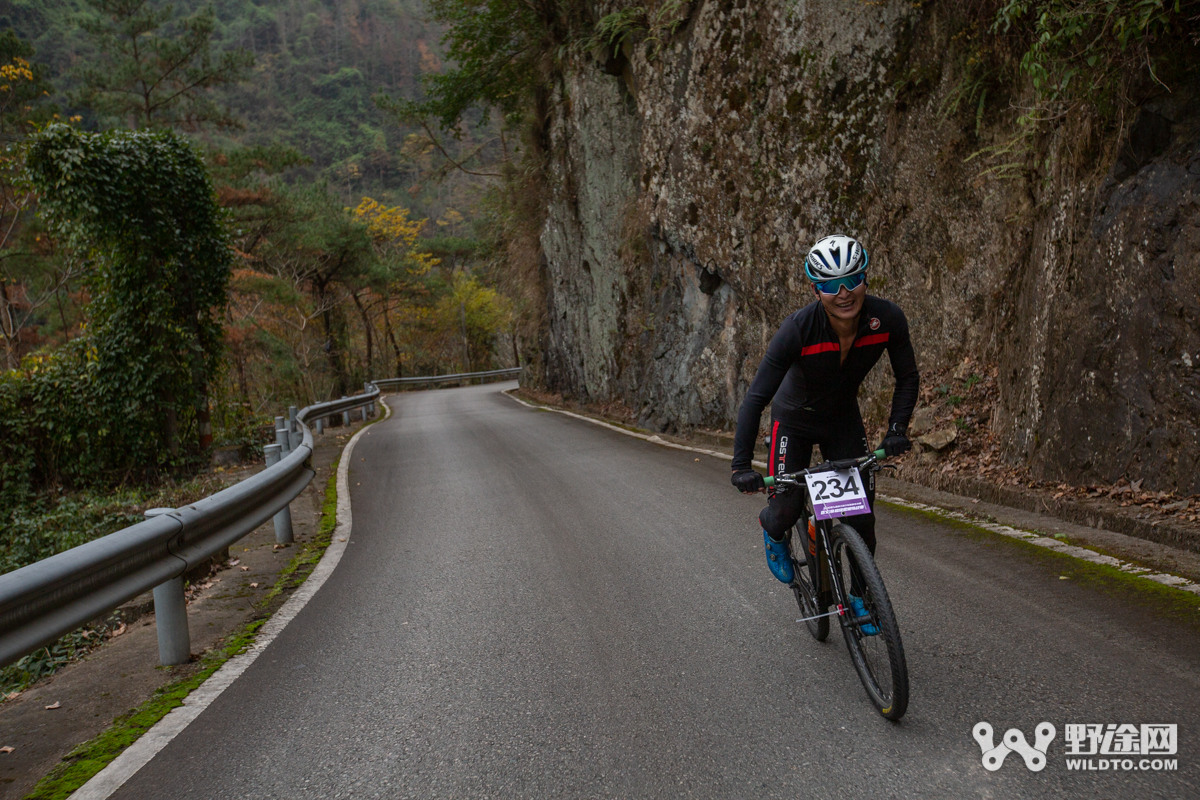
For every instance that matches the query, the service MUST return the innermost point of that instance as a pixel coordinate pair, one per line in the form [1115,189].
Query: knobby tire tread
[889,629]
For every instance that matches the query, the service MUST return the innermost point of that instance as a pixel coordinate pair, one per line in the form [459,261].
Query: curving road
[533,606]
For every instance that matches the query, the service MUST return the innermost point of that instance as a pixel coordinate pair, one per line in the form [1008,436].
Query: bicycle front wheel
[804,589]
[878,657]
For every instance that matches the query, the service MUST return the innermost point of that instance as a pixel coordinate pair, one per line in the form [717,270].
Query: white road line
[1037,539]
[138,754]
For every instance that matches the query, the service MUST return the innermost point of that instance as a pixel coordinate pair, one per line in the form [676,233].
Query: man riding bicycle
[811,374]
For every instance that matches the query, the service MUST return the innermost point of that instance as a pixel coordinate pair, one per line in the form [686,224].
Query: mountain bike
[831,563]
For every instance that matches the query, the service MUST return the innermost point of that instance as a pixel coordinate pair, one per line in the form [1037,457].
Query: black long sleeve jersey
[802,371]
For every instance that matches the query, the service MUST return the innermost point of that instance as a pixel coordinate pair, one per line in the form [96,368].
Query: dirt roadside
[1107,527]
[124,672]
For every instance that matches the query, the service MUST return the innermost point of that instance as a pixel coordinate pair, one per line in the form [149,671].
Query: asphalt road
[534,607]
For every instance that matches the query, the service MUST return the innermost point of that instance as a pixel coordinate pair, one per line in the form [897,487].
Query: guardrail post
[170,615]
[371,405]
[297,436]
[345,415]
[284,440]
[283,517]
[320,425]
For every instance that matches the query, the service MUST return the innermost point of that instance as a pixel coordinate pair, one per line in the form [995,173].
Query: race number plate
[838,493]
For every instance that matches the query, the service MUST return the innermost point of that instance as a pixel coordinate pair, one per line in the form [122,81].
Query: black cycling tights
[791,449]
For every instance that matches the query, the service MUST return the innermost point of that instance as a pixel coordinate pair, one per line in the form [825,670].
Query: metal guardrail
[386,383]
[42,601]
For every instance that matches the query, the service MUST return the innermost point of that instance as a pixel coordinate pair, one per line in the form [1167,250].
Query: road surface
[534,607]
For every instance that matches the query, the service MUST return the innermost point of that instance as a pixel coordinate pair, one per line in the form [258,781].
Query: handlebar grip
[769,481]
[880,453]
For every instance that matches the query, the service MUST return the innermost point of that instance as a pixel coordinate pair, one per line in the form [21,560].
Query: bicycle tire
[878,659]
[802,587]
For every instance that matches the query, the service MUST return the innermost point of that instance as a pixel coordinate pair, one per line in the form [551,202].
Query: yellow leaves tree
[394,233]
[477,312]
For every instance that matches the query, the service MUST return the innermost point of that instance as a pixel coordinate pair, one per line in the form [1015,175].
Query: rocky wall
[690,174]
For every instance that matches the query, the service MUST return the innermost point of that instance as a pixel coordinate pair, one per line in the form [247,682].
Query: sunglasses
[834,286]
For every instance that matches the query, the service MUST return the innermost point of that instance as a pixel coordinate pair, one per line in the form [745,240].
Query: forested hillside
[317,66]
[345,236]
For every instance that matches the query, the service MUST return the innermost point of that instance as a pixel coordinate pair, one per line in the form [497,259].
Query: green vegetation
[137,209]
[1084,50]
[152,70]
[627,26]
[317,66]
[504,51]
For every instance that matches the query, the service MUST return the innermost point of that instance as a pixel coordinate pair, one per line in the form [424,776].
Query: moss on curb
[78,766]
[1173,603]
[86,760]
[303,563]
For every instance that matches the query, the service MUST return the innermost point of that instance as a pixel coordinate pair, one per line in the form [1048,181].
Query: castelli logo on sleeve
[874,323]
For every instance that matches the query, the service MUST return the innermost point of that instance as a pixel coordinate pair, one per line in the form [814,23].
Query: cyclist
[813,368]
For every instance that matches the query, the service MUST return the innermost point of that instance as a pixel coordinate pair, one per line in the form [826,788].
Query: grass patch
[1175,604]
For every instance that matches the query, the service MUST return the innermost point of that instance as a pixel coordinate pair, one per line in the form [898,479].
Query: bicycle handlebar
[877,456]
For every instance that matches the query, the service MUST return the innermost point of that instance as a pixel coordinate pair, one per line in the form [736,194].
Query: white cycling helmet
[835,256]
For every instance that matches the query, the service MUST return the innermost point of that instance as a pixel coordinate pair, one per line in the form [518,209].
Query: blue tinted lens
[834,286]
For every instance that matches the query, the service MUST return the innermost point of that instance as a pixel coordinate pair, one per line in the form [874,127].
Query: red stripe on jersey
[823,347]
[774,438]
[874,338]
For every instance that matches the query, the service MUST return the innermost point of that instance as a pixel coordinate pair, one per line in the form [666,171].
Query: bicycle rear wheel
[803,588]
[878,658]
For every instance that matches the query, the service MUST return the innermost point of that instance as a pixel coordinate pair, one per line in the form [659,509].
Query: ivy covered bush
[125,401]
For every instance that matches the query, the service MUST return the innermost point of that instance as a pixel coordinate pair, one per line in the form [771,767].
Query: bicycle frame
[824,577]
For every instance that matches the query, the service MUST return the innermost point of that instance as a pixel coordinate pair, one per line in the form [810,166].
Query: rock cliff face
[690,175]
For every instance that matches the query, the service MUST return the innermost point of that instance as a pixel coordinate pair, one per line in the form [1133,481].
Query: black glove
[895,441]
[748,481]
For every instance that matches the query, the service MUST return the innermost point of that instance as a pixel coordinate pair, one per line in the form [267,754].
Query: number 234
[833,488]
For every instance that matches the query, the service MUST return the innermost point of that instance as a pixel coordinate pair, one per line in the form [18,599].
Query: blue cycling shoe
[779,559]
[859,609]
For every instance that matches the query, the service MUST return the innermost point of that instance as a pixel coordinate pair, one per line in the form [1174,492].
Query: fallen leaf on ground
[235,562]
[12,695]
[6,749]
[245,569]
[254,586]
[119,629]
[54,705]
